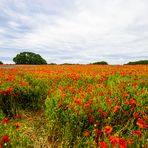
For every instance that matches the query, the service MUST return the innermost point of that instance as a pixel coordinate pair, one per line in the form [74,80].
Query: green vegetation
[29,58]
[68,64]
[100,63]
[1,62]
[18,96]
[52,64]
[138,62]
[73,106]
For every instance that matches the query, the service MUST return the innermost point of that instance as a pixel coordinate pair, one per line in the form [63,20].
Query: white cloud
[76,31]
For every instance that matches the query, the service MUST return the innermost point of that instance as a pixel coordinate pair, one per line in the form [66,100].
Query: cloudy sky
[75,31]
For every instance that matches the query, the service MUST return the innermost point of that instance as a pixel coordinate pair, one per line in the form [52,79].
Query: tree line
[137,62]
[36,59]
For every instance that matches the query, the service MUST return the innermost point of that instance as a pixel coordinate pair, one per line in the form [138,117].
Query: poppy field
[74,106]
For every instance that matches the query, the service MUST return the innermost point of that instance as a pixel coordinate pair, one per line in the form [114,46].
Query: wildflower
[22,83]
[132,102]
[82,95]
[136,115]
[121,121]
[97,123]
[5,139]
[122,143]
[90,115]
[108,129]
[102,79]
[5,120]
[87,104]
[72,106]
[138,133]
[17,116]
[18,93]
[104,113]
[113,140]
[103,145]
[89,110]
[9,90]
[134,84]
[91,120]
[64,95]
[99,133]
[17,126]
[130,141]
[49,91]
[116,108]
[86,134]
[141,123]
[78,101]
[125,94]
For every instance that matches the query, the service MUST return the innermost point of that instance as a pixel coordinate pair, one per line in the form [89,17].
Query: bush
[138,62]
[100,63]
[52,64]
[1,62]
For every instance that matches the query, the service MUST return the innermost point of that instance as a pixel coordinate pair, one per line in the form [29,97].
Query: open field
[74,106]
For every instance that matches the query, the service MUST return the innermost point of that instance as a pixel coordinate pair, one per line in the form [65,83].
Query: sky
[75,31]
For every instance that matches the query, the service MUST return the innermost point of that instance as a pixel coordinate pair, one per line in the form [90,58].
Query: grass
[74,106]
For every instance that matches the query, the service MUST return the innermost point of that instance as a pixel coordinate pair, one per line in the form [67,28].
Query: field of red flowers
[74,106]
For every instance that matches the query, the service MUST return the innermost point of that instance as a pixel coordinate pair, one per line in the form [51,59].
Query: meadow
[74,106]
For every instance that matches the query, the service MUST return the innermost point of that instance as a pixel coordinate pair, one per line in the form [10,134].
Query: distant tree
[1,62]
[52,64]
[100,63]
[67,64]
[29,58]
[137,62]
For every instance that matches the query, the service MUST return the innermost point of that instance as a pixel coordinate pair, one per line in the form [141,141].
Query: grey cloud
[75,31]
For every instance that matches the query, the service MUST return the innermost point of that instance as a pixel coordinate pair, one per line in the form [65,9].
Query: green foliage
[100,63]
[68,64]
[28,94]
[72,115]
[29,58]
[79,106]
[1,62]
[52,64]
[15,130]
[138,62]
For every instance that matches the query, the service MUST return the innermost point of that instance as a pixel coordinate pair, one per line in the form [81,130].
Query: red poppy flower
[91,120]
[82,95]
[5,120]
[99,133]
[5,139]
[108,129]
[116,108]
[113,140]
[17,126]
[86,134]
[125,94]
[103,145]
[138,133]
[137,115]
[130,141]
[141,123]
[122,143]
